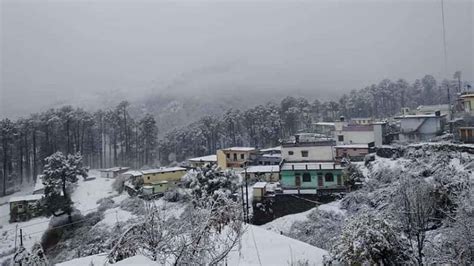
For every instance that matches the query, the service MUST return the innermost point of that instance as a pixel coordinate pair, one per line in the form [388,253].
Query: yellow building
[235,157]
[171,174]
[468,102]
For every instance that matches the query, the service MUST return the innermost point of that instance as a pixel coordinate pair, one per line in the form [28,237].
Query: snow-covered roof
[361,118]
[277,148]
[419,116]
[239,149]
[469,95]
[263,169]
[133,173]
[26,198]
[324,123]
[39,183]
[353,146]
[260,185]
[163,170]
[115,169]
[208,158]
[274,155]
[311,166]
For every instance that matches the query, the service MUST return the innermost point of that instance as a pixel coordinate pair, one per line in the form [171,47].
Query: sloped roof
[208,158]
[26,198]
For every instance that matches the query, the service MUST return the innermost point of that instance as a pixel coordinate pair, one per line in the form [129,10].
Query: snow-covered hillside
[257,247]
[434,181]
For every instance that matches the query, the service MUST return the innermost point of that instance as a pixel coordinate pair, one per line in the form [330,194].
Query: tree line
[104,138]
[264,125]
[114,137]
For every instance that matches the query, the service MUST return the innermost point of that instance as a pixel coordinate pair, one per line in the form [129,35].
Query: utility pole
[243,202]
[21,237]
[247,193]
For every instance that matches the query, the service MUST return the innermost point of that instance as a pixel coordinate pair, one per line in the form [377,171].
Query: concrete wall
[315,153]
[288,180]
[352,152]
[360,137]
[167,176]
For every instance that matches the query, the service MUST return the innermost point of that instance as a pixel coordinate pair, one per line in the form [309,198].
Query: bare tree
[416,212]
[204,234]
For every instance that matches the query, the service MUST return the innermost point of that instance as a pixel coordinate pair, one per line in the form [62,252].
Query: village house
[324,128]
[269,173]
[373,133]
[162,178]
[203,161]
[467,101]
[466,134]
[353,152]
[235,157]
[311,177]
[362,120]
[259,190]
[307,147]
[268,156]
[444,109]
[113,172]
[421,127]
[23,208]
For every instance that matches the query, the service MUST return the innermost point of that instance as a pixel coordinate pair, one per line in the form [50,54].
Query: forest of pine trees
[114,137]
[104,138]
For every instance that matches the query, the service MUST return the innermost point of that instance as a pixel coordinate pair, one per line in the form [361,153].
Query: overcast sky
[55,51]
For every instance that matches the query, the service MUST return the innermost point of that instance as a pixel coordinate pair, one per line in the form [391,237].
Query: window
[242,156]
[20,206]
[329,177]
[228,155]
[340,138]
[306,177]
[148,177]
[304,153]
[235,156]
[290,152]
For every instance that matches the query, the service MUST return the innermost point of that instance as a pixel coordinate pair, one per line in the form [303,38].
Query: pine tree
[59,173]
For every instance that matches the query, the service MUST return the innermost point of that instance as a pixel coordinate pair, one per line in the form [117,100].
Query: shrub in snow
[210,181]
[353,175]
[119,183]
[321,228]
[105,204]
[177,194]
[370,239]
[133,205]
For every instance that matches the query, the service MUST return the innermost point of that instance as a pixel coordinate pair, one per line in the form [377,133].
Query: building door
[320,181]
[298,180]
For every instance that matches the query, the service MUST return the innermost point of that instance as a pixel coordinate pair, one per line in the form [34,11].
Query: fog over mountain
[96,53]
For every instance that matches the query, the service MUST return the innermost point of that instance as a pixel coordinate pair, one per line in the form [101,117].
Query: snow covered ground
[263,247]
[283,224]
[87,193]
[257,247]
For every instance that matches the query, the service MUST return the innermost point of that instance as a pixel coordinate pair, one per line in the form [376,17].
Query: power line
[444,40]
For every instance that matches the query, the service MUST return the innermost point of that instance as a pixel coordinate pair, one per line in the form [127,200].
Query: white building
[314,150]
[421,127]
[362,133]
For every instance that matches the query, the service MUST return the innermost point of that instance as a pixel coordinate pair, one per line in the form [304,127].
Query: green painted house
[311,176]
